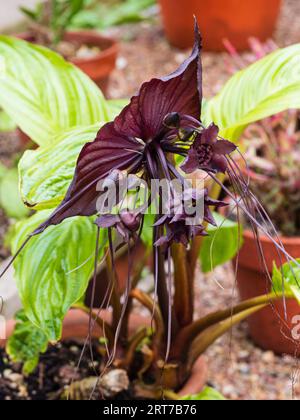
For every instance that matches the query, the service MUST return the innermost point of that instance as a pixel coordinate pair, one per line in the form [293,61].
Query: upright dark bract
[136,133]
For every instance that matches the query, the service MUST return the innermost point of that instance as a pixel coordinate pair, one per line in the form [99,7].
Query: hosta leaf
[221,245]
[6,123]
[10,199]
[26,343]
[46,173]
[54,269]
[288,278]
[208,394]
[44,94]
[267,87]
[115,106]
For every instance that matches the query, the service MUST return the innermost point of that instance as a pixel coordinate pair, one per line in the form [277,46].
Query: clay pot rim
[76,319]
[287,241]
[248,235]
[111,48]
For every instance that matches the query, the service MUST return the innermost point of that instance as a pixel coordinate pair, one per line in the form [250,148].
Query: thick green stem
[153,393]
[163,294]
[132,347]
[188,334]
[210,335]
[184,287]
[115,297]
[135,280]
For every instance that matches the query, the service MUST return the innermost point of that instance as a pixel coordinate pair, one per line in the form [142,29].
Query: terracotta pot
[268,328]
[99,67]
[122,273]
[236,20]
[76,326]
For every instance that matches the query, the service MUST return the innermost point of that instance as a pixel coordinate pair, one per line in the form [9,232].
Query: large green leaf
[26,343]
[267,87]
[46,173]
[54,269]
[115,106]
[6,123]
[288,278]
[208,394]
[10,199]
[221,245]
[43,93]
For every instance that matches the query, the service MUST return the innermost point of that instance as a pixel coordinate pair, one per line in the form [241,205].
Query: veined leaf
[221,245]
[46,173]
[44,94]
[10,199]
[26,343]
[6,123]
[288,278]
[115,106]
[54,269]
[265,88]
[208,394]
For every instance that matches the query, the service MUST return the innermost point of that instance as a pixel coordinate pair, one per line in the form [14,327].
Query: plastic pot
[236,20]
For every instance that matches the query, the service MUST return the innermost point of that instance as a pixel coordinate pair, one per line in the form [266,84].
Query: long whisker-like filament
[13,259]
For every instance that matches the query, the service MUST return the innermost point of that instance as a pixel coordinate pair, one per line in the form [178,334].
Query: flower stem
[184,288]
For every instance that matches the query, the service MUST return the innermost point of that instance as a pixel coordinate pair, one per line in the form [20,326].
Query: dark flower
[208,204]
[139,138]
[178,232]
[208,153]
[126,223]
[162,119]
[182,224]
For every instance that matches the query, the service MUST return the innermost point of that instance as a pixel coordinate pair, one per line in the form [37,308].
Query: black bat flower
[163,118]
[208,153]
[139,138]
[182,223]
[178,232]
[126,223]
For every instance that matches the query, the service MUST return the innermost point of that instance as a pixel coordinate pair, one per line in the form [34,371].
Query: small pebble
[268,357]
[244,368]
[244,354]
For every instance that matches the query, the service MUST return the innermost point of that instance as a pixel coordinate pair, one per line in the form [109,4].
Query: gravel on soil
[56,370]
[238,369]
